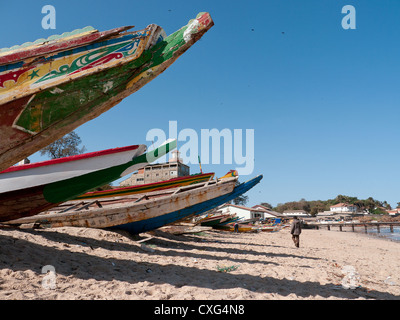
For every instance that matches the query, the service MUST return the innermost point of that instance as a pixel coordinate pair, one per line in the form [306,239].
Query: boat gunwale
[16,93]
[71,158]
[47,47]
[151,195]
[99,193]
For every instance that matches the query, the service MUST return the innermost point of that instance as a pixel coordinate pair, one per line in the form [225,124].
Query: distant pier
[351,225]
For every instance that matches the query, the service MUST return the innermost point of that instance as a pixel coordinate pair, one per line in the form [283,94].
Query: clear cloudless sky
[323,101]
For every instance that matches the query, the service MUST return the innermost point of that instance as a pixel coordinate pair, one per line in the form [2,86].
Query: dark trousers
[236,228]
[296,240]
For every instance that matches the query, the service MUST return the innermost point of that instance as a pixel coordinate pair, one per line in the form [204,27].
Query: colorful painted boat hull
[197,209]
[48,94]
[269,229]
[117,211]
[212,221]
[59,185]
[228,221]
[242,228]
[162,185]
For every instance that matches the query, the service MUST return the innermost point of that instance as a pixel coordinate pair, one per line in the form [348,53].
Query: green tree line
[313,207]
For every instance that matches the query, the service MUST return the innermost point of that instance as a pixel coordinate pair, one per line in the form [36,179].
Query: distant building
[394,212]
[268,214]
[344,207]
[297,213]
[25,161]
[246,213]
[325,213]
[254,213]
[332,215]
[174,168]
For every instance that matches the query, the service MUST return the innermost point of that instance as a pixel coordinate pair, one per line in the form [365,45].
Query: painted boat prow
[50,93]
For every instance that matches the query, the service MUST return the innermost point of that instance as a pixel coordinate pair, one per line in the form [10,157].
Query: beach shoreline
[384,234]
[94,264]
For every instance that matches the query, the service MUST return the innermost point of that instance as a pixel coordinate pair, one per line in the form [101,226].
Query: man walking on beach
[236,227]
[295,230]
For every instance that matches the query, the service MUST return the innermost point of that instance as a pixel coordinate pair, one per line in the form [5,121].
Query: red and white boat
[28,189]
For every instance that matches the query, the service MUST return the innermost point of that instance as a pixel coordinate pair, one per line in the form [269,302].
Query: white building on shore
[255,213]
[344,208]
[296,213]
[394,212]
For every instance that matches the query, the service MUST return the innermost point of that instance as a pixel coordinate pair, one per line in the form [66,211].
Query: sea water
[384,232]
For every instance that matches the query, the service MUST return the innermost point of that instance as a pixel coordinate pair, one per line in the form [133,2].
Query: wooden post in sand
[378,228]
[352,227]
[365,226]
[340,227]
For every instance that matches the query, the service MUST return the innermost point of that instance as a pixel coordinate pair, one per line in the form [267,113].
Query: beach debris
[146,248]
[351,280]
[389,281]
[227,268]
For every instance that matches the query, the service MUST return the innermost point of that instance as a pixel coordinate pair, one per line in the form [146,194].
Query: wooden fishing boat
[269,228]
[109,212]
[149,187]
[231,227]
[184,229]
[214,220]
[245,228]
[231,219]
[26,190]
[50,87]
[231,173]
[147,214]
[197,209]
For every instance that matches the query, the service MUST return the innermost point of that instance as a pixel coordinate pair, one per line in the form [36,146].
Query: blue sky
[323,101]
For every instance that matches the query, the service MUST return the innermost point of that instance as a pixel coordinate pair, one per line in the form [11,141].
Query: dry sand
[102,264]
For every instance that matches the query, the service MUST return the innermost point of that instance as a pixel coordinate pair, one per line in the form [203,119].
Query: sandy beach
[102,264]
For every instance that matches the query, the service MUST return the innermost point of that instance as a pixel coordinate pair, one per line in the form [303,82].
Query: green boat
[29,189]
[50,87]
[215,220]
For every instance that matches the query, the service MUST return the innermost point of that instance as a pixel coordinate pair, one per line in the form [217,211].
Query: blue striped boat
[157,222]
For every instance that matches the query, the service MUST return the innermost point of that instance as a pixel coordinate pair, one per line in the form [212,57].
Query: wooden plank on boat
[58,43]
[180,229]
[149,187]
